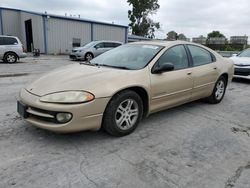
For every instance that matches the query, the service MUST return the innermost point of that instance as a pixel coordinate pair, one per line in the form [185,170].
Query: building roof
[63,17]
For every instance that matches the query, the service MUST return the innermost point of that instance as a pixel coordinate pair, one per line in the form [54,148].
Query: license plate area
[22,109]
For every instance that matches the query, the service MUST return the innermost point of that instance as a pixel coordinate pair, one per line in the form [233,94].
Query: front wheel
[89,56]
[218,92]
[123,113]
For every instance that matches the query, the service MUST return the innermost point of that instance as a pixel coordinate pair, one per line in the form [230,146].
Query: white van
[11,49]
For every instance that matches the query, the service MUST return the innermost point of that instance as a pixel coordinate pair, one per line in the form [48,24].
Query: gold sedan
[120,87]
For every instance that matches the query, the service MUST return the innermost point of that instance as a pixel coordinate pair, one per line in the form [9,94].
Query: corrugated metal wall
[61,33]
[104,32]
[14,24]
[37,30]
[11,23]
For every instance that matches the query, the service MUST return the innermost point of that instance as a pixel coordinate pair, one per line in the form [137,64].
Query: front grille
[242,71]
[72,56]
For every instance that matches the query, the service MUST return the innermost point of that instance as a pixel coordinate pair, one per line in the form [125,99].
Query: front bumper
[86,116]
[76,56]
[242,70]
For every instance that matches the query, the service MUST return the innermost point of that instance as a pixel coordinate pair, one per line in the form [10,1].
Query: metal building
[55,34]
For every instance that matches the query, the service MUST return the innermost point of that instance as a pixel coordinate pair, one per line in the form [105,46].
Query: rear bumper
[22,55]
[86,116]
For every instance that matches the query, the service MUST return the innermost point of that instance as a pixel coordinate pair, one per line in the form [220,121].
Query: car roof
[8,36]
[107,41]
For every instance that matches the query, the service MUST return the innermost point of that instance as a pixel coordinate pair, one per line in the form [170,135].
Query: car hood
[79,77]
[80,48]
[241,60]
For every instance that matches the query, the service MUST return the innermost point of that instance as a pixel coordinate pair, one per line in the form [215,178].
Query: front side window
[99,45]
[177,56]
[200,56]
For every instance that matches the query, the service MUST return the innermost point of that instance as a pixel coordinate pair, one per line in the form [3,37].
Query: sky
[191,17]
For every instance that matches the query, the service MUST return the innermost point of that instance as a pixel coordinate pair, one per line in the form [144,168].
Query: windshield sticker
[150,46]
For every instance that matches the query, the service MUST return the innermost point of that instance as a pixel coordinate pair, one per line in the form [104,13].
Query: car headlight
[68,97]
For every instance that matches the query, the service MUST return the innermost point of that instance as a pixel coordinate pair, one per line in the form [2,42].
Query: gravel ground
[194,145]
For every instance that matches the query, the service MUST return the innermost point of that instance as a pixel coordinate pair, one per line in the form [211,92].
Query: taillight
[23,49]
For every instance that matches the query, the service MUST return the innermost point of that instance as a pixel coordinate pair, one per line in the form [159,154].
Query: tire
[10,57]
[88,56]
[218,91]
[123,113]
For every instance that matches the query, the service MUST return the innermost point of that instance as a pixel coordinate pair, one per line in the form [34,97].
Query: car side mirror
[234,55]
[164,67]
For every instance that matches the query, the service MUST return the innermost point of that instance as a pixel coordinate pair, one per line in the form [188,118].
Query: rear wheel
[123,113]
[219,91]
[10,57]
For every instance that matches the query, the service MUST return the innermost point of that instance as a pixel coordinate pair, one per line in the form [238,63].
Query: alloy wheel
[11,58]
[220,89]
[127,114]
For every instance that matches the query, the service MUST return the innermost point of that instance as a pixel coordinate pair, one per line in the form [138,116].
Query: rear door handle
[189,73]
[215,68]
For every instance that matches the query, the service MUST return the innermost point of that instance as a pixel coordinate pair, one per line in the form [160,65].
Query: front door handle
[189,73]
[215,68]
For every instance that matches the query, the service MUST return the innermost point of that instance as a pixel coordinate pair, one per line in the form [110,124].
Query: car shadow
[101,136]
[18,62]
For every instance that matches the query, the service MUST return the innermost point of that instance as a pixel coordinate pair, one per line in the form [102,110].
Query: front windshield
[245,53]
[90,44]
[130,56]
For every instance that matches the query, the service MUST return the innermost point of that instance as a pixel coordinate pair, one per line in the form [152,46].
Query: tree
[140,23]
[215,34]
[172,35]
[181,36]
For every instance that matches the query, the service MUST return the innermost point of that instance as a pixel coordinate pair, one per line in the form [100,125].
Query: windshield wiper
[112,66]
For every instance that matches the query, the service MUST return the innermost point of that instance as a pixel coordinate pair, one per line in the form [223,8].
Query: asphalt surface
[192,146]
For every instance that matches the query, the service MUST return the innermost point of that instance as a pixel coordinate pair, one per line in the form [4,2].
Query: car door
[205,71]
[172,88]
[99,49]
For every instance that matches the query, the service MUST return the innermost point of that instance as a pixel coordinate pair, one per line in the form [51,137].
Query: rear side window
[116,44]
[200,56]
[1,41]
[8,41]
[111,45]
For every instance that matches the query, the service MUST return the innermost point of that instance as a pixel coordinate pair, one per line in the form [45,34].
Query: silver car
[92,49]
[11,49]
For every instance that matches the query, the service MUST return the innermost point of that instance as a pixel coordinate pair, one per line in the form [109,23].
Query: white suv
[11,49]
